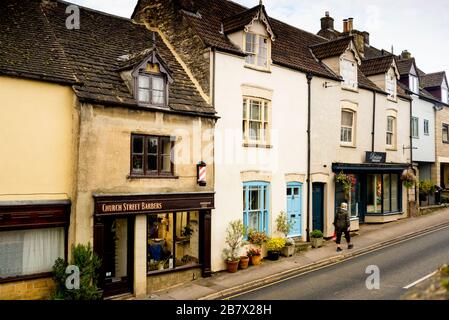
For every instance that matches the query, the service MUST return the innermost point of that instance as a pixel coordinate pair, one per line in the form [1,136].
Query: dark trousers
[347,236]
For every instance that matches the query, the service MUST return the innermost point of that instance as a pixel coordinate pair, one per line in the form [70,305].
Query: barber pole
[201,173]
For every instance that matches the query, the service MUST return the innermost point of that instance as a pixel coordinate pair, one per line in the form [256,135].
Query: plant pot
[288,251]
[317,242]
[273,255]
[244,262]
[232,266]
[255,260]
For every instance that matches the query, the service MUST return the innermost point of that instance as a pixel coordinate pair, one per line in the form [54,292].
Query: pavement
[371,237]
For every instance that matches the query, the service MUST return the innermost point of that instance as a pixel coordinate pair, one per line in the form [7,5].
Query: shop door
[294,214]
[117,256]
[318,206]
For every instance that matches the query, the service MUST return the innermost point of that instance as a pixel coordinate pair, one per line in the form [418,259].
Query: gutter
[309,77]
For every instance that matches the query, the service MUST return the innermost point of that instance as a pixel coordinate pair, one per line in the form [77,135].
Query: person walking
[342,225]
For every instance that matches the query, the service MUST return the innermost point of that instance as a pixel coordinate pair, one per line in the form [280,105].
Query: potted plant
[284,226]
[234,241]
[244,262]
[255,256]
[408,179]
[426,188]
[274,247]
[258,238]
[316,237]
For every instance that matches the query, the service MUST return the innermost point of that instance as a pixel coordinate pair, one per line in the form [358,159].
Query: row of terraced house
[147,136]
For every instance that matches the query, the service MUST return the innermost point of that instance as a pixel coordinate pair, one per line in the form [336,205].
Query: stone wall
[38,289]
[165,16]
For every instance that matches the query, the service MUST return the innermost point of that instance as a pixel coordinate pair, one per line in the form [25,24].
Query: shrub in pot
[234,241]
[255,256]
[289,249]
[274,247]
[316,237]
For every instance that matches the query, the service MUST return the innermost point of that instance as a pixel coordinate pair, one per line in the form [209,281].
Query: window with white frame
[444,95]
[415,127]
[348,71]
[391,86]
[256,49]
[391,128]
[151,89]
[426,127]
[347,127]
[256,121]
[445,133]
[414,84]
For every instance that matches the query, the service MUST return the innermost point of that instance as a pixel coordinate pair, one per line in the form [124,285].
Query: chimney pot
[345,26]
[327,13]
[350,24]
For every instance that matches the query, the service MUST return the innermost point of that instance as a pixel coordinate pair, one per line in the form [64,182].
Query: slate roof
[290,49]
[405,65]
[431,80]
[28,45]
[240,20]
[373,66]
[331,48]
[91,53]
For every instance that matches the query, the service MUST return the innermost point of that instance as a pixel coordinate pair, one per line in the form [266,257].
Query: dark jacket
[341,221]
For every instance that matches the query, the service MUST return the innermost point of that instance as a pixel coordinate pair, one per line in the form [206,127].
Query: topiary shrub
[89,264]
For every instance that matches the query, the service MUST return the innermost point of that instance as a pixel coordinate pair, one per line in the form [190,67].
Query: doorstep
[224,284]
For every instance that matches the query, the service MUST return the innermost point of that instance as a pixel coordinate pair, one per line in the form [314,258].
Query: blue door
[294,212]
[318,206]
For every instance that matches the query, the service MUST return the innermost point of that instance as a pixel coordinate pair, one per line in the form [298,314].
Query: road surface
[402,265]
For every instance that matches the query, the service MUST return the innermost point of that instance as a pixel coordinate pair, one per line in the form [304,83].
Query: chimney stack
[366,37]
[406,55]
[345,26]
[327,22]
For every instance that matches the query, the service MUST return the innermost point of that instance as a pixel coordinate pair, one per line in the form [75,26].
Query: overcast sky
[416,25]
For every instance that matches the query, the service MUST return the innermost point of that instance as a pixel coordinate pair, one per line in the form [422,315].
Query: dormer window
[390,86]
[414,84]
[348,71]
[151,89]
[256,50]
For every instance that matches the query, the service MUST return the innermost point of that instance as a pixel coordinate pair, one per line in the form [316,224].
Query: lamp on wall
[201,173]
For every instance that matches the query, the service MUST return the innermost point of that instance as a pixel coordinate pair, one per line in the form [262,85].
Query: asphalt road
[400,265]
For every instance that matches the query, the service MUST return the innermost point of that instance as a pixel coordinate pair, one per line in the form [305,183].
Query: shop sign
[376,157]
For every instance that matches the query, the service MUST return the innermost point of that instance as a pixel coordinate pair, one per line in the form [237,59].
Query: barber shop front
[150,242]
[376,196]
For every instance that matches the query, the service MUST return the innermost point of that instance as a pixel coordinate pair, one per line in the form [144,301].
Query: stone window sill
[257,145]
[248,66]
[137,177]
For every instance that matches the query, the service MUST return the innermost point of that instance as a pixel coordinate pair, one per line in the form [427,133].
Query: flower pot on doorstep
[288,251]
[317,242]
[255,260]
[244,262]
[273,255]
[232,266]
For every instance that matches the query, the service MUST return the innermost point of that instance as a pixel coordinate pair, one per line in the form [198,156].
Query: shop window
[30,252]
[151,156]
[353,199]
[383,193]
[256,206]
[173,240]
[256,121]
